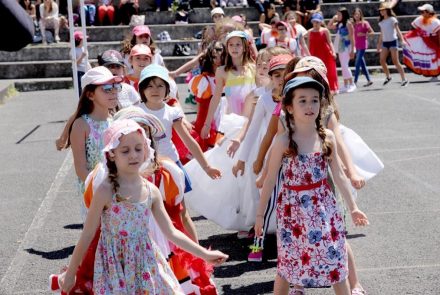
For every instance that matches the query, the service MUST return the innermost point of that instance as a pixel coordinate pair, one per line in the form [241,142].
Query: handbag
[137,20]
[182,49]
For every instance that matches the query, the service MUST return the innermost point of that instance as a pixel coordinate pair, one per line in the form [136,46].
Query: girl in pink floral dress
[310,225]
[127,261]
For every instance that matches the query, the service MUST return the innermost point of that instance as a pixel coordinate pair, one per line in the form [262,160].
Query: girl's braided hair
[112,173]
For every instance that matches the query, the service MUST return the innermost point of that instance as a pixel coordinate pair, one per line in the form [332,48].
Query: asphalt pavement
[398,253]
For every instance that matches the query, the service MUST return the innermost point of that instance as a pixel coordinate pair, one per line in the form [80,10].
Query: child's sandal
[297,290]
[358,291]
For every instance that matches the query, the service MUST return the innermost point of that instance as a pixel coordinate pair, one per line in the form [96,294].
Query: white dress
[366,162]
[250,195]
[219,200]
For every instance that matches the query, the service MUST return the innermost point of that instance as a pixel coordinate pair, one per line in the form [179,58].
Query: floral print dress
[94,145]
[127,261]
[310,227]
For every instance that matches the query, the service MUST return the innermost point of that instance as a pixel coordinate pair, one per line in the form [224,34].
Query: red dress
[319,47]
[201,86]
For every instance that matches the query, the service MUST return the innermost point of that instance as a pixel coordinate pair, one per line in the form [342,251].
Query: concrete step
[61,51]
[63,68]
[24,85]
[119,33]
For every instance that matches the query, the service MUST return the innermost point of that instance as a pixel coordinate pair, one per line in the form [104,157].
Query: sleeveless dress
[94,146]
[422,55]
[310,226]
[237,87]
[202,87]
[320,48]
[127,261]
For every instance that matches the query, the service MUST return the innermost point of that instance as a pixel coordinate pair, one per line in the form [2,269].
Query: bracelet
[260,215]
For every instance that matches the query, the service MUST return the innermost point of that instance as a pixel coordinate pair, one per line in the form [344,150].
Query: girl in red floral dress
[310,225]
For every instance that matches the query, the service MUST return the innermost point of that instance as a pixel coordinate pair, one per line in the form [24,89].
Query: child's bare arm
[329,41]
[215,100]
[80,131]
[399,34]
[279,146]
[61,142]
[341,181]
[171,233]
[101,198]
[248,111]
[195,150]
[187,66]
[356,180]
[265,144]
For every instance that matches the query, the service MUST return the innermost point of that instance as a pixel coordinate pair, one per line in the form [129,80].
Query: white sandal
[358,291]
[296,290]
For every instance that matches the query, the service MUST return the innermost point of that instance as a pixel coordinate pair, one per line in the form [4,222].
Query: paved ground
[397,254]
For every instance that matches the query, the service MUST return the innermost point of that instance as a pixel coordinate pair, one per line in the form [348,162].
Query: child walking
[193,274]
[344,46]
[80,57]
[92,118]
[141,35]
[154,87]
[362,29]
[321,46]
[202,87]
[387,43]
[126,260]
[140,57]
[310,226]
[217,200]
[236,78]
[260,120]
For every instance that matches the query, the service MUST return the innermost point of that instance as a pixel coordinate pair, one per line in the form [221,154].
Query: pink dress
[127,261]
[310,226]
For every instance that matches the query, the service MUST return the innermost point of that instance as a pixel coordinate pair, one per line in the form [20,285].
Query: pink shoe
[256,255]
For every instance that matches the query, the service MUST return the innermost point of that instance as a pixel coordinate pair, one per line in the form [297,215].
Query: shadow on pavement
[238,249]
[198,218]
[53,255]
[74,226]
[355,236]
[236,270]
[256,288]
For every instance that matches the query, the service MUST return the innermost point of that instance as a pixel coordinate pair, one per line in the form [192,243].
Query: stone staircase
[49,67]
